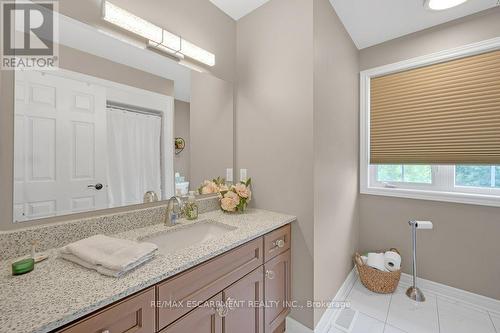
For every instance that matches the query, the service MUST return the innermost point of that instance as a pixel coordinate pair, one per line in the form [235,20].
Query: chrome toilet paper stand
[414,292]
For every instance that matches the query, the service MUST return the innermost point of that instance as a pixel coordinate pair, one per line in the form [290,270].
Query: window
[457,183]
[416,174]
[477,176]
[433,141]
[464,177]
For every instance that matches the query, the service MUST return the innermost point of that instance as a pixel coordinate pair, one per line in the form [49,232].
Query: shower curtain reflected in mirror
[134,156]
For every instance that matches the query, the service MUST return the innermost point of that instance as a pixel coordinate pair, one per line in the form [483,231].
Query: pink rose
[230,201]
[233,196]
[243,191]
[209,187]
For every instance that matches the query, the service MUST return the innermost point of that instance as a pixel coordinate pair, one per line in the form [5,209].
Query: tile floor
[396,313]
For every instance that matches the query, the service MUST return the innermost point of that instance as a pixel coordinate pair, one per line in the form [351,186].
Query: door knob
[270,275]
[222,310]
[97,186]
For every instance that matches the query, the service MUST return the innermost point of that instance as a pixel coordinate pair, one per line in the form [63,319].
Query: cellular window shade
[446,113]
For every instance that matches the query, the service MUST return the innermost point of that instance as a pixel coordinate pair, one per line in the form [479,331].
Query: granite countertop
[57,292]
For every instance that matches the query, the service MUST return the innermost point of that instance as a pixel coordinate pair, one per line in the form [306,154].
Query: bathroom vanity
[234,279]
[232,291]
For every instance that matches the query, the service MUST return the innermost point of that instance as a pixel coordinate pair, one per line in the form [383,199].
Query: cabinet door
[277,291]
[244,299]
[204,319]
[207,279]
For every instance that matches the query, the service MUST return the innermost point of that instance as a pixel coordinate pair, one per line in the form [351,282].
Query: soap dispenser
[191,207]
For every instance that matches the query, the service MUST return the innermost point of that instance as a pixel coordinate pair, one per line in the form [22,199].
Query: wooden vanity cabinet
[177,295]
[277,290]
[245,315]
[277,242]
[203,319]
[135,314]
[223,295]
[231,310]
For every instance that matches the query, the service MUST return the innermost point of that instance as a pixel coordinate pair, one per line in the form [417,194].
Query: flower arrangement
[236,197]
[213,186]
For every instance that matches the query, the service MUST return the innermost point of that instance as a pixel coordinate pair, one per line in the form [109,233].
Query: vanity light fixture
[128,21]
[197,53]
[175,54]
[157,37]
[163,48]
[192,66]
[442,4]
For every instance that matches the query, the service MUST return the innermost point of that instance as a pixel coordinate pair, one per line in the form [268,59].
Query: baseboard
[293,326]
[483,302]
[324,323]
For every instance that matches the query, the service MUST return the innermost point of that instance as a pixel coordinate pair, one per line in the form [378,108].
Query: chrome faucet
[172,215]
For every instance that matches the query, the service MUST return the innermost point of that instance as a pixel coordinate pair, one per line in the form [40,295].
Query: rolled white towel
[108,253]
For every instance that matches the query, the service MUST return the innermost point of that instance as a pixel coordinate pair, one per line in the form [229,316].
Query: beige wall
[274,131]
[86,63]
[181,129]
[6,147]
[211,128]
[462,250]
[471,29]
[73,60]
[198,21]
[336,222]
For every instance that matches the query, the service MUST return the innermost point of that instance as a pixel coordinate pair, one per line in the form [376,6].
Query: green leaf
[249,181]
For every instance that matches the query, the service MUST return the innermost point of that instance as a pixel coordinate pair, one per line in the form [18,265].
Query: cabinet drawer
[177,296]
[277,242]
[133,315]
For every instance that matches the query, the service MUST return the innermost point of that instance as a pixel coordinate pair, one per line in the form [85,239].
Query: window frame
[443,187]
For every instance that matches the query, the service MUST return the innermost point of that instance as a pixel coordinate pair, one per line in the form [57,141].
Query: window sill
[454,197]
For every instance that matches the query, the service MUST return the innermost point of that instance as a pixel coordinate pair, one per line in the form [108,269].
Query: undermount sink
[172,240]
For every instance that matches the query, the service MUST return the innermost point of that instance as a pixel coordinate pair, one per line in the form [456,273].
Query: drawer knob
[279,243]
[230,303]
[222,310]
[270,275]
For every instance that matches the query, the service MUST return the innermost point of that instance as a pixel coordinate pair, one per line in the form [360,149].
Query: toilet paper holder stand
[414,292]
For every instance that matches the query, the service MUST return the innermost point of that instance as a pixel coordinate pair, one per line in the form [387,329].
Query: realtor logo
[29,39]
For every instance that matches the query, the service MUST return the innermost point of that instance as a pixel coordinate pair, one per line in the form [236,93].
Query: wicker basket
[375,280]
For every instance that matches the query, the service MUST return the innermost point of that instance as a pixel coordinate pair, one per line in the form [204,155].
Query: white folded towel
[107,255]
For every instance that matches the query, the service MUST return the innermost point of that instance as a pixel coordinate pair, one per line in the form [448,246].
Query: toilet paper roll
[376,260]
[392,261]
[424,225]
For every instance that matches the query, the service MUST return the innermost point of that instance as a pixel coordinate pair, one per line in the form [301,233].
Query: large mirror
[115,120]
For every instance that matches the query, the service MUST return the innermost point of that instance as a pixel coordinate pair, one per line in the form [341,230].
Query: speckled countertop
[58,292]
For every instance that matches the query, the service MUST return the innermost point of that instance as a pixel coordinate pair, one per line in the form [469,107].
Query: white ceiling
[371,22]
[238,8]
